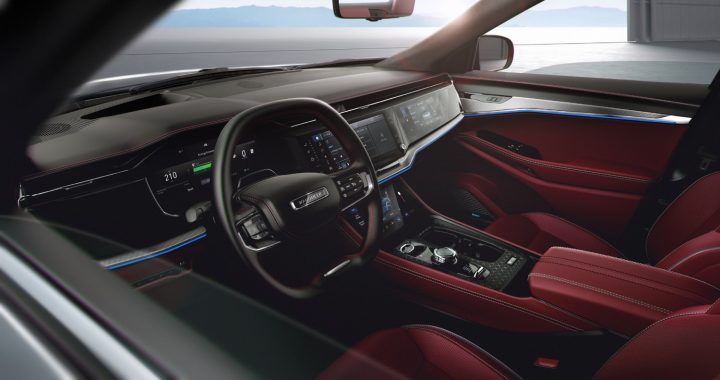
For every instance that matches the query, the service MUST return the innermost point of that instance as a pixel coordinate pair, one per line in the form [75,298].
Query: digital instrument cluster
[179,186]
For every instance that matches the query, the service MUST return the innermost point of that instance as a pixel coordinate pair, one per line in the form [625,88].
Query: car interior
[415,217]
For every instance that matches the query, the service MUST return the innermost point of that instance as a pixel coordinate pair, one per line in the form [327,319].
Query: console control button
[470,269]
[444,255]
[407,248]
[512,261]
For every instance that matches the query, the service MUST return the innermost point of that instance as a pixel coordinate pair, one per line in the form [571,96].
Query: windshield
[582,38]
[240,33]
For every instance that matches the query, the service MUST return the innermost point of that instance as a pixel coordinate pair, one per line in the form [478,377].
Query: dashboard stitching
[481,296]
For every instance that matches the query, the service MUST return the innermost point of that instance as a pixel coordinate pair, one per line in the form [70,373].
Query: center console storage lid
[620,295]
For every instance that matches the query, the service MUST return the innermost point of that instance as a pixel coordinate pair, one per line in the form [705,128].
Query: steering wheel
[288,210]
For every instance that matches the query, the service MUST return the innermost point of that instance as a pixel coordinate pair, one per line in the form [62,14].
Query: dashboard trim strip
[406,162]
[676,120]
[140,256]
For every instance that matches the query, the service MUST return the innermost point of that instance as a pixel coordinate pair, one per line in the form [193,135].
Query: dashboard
[175,169]
[181,177]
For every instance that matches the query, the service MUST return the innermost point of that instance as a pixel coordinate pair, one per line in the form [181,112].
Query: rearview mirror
[373,10]
[494,53]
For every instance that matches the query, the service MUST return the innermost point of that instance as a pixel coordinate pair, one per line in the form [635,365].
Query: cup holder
[440,238]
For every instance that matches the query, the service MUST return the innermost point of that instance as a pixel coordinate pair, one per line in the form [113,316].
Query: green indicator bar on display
[202,168]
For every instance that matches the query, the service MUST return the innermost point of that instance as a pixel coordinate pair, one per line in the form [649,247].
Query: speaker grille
[471,207]
[53,129]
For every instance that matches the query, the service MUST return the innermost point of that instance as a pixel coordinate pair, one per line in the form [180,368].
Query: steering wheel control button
[444,255]
[312,197]
[255,228]
[350,186]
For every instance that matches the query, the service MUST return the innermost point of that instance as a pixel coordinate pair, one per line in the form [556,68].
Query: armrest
[620,295]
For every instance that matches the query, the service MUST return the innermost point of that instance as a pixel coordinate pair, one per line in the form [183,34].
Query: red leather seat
[417,352]
[684,239]
[683,345]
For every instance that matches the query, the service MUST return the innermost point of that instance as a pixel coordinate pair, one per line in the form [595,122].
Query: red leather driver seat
[684,239]
[683,345]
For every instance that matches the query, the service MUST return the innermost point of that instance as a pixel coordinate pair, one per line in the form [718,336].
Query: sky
[421,6]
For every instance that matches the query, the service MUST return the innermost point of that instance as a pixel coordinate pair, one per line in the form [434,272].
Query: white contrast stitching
[602,291]
[484,297]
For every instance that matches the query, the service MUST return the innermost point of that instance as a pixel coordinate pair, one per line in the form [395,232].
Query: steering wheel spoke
[253,230]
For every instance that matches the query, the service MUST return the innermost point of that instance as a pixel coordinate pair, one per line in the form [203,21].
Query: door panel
[622,156]
[589,170]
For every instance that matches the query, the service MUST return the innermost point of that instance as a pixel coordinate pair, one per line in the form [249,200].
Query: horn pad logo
[312,197]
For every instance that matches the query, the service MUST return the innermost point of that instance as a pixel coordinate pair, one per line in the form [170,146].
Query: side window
[657,41]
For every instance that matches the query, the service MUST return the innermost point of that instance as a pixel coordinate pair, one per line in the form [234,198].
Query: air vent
[53,129]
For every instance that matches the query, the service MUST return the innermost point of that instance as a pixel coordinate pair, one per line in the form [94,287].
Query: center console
[455,250]
[463,271]
[412,233]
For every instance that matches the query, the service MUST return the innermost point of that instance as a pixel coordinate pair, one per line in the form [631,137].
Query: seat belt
[697,155]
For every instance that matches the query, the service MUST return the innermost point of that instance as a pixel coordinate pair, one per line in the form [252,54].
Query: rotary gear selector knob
[444,255]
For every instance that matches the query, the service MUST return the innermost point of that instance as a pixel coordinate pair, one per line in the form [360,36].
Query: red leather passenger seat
[417,352]
[684,239]
[683,345]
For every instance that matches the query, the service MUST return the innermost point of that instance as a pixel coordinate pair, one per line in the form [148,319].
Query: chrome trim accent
[149,252]
[310,198]
[409,246]
[444,255]
[152,194]
[71,186]
[518,104]
[253,249]
[109,350]
[337,268]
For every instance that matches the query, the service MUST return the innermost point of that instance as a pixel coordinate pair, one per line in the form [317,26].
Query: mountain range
[273,16]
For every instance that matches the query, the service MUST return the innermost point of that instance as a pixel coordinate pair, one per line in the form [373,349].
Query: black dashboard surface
[80,137]
[150,156]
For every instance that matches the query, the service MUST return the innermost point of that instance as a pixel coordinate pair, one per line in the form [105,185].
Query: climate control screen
[325,153]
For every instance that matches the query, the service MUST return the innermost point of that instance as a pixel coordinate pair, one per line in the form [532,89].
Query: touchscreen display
[392,214]
[325,153]
[375,136]
[420,116]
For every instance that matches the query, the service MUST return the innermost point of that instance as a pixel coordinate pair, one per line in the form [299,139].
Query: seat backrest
[684,345]
[692,214]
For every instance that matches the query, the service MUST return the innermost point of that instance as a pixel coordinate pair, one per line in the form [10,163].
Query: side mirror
[373,10]
[494,53]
